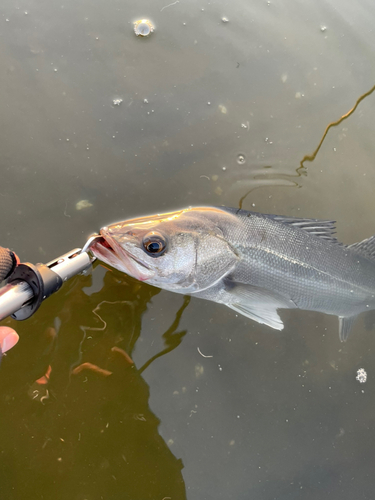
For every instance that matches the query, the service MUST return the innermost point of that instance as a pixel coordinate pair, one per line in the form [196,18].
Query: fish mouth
[108,250]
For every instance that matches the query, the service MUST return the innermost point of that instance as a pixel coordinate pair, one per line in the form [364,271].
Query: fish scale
[253,263]
[325,276]
[296,246]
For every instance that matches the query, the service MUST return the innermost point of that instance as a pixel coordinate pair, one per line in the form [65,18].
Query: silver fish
[253,263]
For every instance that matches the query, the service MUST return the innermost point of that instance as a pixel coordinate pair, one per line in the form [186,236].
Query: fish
[254,263]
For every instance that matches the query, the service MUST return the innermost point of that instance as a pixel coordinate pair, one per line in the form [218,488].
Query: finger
[8,338]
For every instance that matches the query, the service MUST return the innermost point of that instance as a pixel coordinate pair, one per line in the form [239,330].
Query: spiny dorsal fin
[366,248]
[322,228]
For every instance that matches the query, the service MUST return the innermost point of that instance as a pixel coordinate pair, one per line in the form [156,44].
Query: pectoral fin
[259,304]
[345,326]
[261,315]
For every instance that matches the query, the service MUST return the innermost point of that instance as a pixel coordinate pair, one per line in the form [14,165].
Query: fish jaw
[111,252]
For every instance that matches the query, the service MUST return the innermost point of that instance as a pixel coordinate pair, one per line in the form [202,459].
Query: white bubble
[361,376]
[241,159]
[143,27]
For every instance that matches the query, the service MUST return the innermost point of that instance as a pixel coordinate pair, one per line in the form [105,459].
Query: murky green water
[210,111]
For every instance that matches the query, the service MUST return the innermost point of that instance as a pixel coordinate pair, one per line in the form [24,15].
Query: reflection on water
[268,415]
[79,410]
[171,338]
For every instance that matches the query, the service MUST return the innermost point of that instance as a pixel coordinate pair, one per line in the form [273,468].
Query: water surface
[267,415]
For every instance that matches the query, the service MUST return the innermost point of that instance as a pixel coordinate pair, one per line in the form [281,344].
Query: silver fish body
[253,263]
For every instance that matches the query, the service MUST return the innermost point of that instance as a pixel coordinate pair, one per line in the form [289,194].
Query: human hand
[8,262]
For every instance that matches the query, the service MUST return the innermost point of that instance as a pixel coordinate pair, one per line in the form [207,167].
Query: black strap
[8,263]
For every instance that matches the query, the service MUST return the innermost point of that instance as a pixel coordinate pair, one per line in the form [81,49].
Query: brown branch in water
[312,157]
[92,368]
[123,354]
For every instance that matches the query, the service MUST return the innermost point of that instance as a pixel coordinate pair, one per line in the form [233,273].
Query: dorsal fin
[366,248]
[322,228]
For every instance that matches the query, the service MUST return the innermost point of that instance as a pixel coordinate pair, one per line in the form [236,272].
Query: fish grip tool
[42,281]
[30,284]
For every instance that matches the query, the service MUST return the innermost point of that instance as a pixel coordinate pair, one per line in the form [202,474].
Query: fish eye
[154,244]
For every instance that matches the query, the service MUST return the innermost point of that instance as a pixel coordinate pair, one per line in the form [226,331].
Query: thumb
[8,338]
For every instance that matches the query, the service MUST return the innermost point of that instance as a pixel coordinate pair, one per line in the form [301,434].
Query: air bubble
[361,376]
[143,27]
[117,101]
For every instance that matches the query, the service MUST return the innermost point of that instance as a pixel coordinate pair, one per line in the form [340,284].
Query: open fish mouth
[109,251]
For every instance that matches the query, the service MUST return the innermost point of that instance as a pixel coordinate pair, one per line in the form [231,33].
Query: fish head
[183,251]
